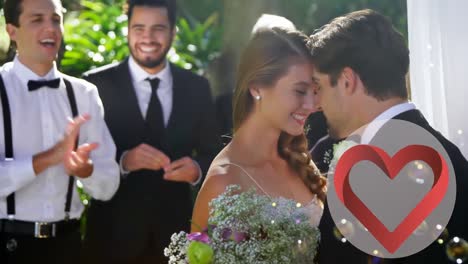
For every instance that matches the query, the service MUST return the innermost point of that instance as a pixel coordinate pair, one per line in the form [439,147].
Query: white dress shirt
[373,127]
[143,88]
[143,91]
[39,119]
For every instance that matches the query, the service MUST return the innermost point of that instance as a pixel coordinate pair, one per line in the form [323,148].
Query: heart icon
[391,240]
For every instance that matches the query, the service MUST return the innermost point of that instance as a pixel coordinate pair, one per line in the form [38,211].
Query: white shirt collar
[374,126]
[139,75]
[25,74]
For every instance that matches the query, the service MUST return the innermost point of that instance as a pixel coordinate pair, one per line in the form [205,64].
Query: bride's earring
[257,97]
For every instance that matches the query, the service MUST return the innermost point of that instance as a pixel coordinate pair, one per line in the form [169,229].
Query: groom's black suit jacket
[333,251]
[146,209]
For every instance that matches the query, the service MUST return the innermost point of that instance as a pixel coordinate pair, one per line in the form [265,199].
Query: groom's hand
[182,170]
[144,156]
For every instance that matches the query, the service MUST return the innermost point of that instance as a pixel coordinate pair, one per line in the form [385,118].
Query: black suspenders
[9,144]
[71,180]
[8,141]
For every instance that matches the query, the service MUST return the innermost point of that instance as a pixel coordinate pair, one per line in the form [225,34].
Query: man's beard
[151,63]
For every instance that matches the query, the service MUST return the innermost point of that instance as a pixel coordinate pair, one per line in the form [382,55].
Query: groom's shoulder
[416,117]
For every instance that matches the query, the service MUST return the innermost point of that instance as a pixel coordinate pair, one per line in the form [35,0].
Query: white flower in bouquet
[338,151]
[177,249]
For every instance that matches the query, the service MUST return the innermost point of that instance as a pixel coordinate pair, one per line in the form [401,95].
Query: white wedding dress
[314,208]
[278,220]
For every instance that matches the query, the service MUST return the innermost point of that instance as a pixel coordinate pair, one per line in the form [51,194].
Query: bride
[268,151]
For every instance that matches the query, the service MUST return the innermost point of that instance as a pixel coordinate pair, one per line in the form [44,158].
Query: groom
[361,63]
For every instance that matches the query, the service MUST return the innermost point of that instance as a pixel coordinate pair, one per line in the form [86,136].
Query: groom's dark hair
[170,5]
[366,42]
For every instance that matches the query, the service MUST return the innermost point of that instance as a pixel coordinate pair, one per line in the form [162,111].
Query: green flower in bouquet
[199,253]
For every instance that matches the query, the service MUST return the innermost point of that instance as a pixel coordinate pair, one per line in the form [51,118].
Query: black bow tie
[34,85]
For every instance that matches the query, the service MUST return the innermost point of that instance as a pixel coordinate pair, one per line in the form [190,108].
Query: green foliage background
[95,30]
[94,36]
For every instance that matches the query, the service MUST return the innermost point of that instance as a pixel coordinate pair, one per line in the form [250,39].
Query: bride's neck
[256,142]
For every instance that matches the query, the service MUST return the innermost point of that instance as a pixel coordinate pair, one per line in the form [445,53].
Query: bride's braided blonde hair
[266,58]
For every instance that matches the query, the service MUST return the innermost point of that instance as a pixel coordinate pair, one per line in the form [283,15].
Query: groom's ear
[349,79]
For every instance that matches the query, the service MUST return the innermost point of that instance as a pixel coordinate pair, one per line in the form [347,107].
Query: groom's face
[331,100]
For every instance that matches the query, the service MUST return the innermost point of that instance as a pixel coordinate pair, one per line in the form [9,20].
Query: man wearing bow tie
[43,149]
[162,120]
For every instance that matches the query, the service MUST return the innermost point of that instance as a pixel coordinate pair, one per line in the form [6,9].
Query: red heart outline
[391,166]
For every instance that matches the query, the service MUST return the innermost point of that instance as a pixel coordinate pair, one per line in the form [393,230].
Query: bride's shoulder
[222,173]
[223,167]
[219,176]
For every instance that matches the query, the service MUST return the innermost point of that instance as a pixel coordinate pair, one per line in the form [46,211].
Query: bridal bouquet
[245,227]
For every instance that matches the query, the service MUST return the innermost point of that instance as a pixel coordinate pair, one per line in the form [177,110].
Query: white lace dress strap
[246,173]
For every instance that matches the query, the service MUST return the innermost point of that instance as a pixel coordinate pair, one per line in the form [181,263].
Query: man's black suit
[146,209]
[332,251]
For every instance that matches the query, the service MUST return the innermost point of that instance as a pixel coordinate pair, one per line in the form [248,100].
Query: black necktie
[154,114]
[34,85]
